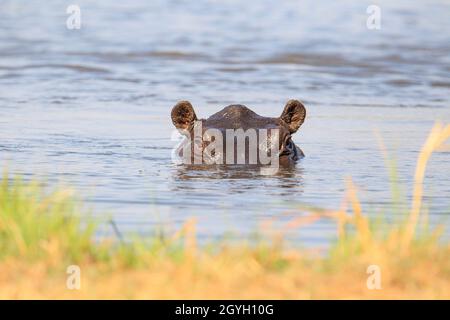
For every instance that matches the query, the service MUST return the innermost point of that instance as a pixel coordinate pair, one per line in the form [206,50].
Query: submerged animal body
[214,139]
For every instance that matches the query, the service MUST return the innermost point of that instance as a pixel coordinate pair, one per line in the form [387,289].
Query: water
[91,107]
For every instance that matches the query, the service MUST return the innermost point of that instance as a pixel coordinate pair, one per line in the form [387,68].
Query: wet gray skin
[240,117]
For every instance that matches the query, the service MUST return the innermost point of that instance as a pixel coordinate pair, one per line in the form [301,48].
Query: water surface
[91,107]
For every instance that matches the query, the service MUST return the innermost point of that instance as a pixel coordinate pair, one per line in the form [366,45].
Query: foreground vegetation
[42,234]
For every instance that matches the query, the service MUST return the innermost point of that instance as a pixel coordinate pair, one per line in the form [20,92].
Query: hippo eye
[290,144]
[288,141]
[287,146]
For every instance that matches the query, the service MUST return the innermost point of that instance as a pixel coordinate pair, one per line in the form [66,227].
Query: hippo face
[238,119]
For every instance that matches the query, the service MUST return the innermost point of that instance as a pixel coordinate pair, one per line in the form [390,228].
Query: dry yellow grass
[236,274]
[40,235]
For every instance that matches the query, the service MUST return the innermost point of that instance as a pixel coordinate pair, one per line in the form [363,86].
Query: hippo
[239,117]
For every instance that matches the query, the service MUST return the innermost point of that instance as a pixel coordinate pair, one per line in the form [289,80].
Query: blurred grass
[42,233]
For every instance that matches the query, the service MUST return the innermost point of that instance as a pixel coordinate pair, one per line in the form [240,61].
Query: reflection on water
[248,178]
[91,107]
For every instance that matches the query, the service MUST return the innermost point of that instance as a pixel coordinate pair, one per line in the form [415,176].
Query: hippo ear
[183,115]
[293,115]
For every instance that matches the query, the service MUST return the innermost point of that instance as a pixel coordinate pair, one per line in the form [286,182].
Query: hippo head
[240,119]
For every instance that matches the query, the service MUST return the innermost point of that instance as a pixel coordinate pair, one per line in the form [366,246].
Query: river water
[90,107]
